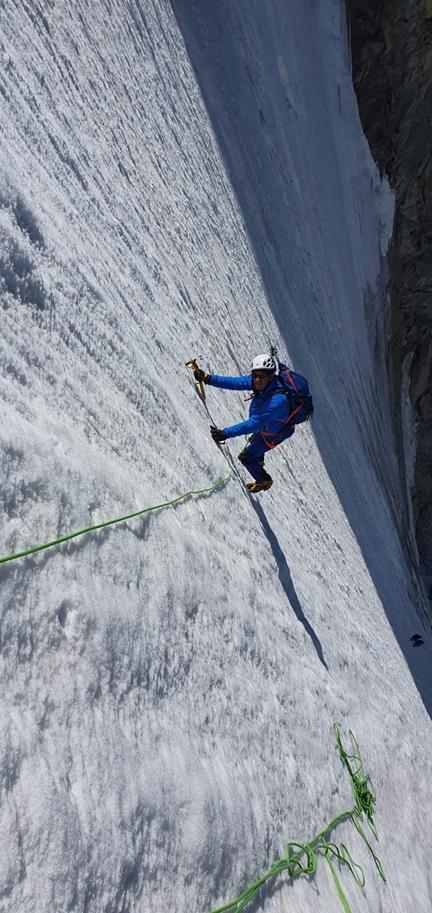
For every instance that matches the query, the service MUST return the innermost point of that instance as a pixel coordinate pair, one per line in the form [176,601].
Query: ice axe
[194,366]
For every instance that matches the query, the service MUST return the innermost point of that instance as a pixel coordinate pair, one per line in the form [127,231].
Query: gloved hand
[202,377]
[218,436]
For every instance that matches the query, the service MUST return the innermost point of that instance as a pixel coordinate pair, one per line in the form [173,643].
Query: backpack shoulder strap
[290,378]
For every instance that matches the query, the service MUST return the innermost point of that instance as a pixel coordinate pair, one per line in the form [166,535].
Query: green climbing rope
[136,513]
[302,858]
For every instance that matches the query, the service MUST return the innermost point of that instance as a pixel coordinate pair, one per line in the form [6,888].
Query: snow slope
[177,180]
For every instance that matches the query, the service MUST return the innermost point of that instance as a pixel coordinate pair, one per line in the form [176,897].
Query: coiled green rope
[302,858]
[136,513]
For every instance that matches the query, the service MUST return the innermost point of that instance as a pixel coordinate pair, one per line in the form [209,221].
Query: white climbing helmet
[264,363]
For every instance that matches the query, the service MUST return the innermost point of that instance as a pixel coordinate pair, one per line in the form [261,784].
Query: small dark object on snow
[416,640]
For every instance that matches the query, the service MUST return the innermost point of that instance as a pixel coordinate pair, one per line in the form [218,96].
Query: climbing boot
[255,487]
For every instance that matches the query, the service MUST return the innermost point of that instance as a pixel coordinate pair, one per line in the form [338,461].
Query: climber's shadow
[286,580]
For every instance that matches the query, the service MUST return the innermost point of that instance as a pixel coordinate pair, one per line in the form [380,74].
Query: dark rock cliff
[391,45]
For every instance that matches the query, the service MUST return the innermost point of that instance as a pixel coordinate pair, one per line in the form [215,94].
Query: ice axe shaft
[194,366]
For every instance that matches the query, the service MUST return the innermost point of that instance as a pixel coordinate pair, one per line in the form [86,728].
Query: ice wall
[182,180]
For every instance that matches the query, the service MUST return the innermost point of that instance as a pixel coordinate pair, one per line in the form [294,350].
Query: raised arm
[243,382]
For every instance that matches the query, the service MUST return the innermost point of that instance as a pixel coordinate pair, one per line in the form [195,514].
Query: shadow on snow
[294,212]
[286,580]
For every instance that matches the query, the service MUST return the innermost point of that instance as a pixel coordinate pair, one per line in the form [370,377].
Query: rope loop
[363,797]
[302,858]
[294,864]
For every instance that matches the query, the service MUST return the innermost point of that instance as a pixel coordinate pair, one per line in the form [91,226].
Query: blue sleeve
[243,382]
[274,410]
[249,426]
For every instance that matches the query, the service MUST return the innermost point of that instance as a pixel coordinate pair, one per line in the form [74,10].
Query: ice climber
[273,413]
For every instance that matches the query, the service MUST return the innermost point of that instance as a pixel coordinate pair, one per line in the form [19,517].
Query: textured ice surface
[180,180]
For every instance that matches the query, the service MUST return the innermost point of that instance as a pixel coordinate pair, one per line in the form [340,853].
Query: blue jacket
[268,410]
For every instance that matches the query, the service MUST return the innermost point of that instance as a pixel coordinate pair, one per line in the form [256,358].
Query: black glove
[202,377]
[218,436]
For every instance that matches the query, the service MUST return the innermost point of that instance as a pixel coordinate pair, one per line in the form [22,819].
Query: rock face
[392,70]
